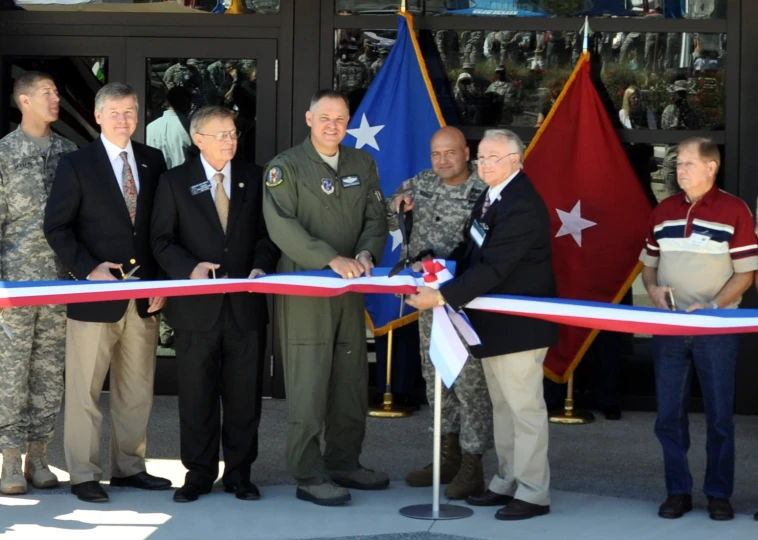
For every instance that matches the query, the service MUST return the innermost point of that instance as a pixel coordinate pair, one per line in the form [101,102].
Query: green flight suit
[314,214]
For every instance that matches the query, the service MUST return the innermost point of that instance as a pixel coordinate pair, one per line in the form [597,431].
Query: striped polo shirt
[697,247]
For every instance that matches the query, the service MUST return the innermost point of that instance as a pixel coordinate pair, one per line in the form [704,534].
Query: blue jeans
[713,358]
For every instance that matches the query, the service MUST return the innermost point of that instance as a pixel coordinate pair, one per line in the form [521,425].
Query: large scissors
[129,274]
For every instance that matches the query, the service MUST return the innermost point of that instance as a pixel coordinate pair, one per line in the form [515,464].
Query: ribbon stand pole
[569,415]
[388,409]
[436,510]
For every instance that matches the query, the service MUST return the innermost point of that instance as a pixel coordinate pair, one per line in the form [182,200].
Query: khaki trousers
[520,422]
[128,348]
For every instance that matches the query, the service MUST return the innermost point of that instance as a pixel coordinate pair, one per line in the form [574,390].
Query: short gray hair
[507,136]
[206,114]
[114,90]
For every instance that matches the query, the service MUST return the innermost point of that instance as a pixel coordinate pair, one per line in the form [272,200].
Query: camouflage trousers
[31,385]
[466,407]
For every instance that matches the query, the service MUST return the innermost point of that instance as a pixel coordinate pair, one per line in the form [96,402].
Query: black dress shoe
[141,480]
[518,509]
[90,492]
[612,413]
[189,493]
[675,506]
[488,498]
[244,491]
[720,509]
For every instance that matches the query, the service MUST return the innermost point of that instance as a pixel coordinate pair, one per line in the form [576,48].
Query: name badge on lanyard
[478,233]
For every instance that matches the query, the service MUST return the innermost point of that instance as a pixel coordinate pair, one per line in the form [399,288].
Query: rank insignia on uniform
[350,181]
[378,195]
[199,188]
[274,177]
[327,186]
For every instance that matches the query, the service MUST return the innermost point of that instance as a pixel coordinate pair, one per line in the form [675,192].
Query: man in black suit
[97,221]
[208,220]
[507,251]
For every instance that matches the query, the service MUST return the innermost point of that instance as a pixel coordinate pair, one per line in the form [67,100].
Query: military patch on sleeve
[407,185]
[274,177]
[474,194]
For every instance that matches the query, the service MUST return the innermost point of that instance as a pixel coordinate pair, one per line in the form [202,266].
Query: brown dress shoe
[675,506]
[488,498]
[518,509]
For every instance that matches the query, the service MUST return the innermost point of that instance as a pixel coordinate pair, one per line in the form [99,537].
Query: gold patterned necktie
[129,187]
[486,205]
[222,201]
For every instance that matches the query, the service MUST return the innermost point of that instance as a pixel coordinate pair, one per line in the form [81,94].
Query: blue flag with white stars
[395,123]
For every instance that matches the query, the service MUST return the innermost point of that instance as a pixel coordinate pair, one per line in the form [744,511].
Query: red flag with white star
[598,210]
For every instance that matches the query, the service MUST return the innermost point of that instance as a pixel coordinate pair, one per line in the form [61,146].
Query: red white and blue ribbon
[629,319]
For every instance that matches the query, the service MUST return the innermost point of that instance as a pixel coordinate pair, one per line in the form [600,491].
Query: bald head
[450,155]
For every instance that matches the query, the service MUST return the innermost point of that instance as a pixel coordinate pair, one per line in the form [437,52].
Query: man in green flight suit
[324,209]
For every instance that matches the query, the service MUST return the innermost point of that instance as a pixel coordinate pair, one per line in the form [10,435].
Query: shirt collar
[494,193]
[113,151]
[210,171]
[705,200]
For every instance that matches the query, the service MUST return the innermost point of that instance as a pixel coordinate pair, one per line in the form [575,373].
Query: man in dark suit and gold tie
[97,221]
[208,222]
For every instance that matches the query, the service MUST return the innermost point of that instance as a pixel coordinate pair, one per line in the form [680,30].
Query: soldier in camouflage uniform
[442,199]
[179,74]
[376,66]
[502,95]
[351,74]
[221,82]
[473,49]
[32,355]
[447,45]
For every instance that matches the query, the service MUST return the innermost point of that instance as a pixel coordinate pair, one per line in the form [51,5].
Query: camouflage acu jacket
[26,177]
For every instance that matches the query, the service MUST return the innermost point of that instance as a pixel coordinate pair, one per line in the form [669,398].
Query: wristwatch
[440,299]
[714,305]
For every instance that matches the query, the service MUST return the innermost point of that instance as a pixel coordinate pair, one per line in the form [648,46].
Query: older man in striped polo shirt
[701,253]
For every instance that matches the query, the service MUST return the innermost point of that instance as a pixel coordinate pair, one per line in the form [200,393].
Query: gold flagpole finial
[402,7]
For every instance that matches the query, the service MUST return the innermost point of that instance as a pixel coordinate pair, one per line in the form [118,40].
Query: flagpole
[569,415]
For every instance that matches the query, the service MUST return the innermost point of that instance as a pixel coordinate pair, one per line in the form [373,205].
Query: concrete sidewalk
[607,480]
[133,515]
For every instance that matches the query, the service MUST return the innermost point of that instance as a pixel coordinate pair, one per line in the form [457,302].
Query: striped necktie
[129,187]
[222,201]
[486,205]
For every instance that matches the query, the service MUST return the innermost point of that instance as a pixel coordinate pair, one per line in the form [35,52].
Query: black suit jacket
[186,231]
[87,222]
[513,259]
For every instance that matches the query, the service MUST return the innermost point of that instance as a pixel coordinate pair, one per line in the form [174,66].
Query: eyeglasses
[221,136]
[491,161]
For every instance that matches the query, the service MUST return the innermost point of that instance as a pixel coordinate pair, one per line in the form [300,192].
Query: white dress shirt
[226,171]
[114,156]
[494,192]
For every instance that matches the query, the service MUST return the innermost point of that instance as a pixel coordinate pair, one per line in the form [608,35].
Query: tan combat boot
[36,469]
[469,480]
[450,463]
[12,480]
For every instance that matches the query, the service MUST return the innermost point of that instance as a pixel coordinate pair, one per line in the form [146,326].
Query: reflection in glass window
[671,81]
[78,79]
[675,9]
[178,87]
[219,7]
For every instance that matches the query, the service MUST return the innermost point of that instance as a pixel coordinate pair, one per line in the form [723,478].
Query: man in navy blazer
[507,251]
[97,221]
